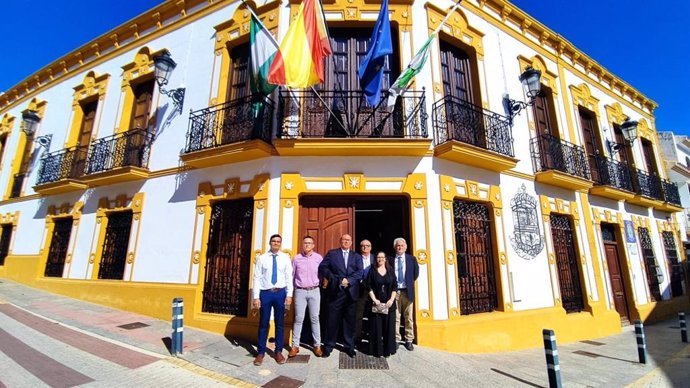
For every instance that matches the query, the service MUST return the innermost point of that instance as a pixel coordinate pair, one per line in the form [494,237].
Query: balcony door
[85,131]
[550,152]
[341,88]
[649,159]
[590,138]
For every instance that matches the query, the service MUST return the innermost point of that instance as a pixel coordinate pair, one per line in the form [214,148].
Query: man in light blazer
[342,267]
[407,272]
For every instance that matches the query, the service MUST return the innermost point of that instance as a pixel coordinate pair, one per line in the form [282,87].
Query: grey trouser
[302,299]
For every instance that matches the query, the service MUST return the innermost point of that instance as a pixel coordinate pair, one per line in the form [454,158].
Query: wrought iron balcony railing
[17,184]
[346,114]
[127,149]
[613,173]
[647,185]
[246,118]
[671,194]
[551,153]
[456,119]
[68,163]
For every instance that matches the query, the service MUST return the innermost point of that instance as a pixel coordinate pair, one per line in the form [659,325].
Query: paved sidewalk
[604,362]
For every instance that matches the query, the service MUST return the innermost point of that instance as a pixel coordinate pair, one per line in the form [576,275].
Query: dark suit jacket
[333,268]
[411,272]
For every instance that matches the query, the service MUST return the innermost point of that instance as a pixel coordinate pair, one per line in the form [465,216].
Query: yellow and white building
[122,196]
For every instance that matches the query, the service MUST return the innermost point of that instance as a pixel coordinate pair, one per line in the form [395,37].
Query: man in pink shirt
[307,293]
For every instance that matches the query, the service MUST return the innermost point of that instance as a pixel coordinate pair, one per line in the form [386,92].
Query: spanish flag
[299,62]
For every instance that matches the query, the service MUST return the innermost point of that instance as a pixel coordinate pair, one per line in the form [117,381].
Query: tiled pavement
[46,339]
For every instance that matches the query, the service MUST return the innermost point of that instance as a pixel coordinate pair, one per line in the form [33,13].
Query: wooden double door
[377,219]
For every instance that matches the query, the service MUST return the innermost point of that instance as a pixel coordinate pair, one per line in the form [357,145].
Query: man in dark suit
[407,272]
[342,268]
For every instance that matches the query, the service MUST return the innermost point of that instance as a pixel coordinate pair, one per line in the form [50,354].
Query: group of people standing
[353,284]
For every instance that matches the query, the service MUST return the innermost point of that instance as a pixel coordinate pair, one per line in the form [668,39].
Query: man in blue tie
[407,272]
[272,289]
[342,267]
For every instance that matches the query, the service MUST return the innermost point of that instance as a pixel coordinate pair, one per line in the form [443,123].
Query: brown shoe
[293,351]
[317,351]
[280,359]
[259,359]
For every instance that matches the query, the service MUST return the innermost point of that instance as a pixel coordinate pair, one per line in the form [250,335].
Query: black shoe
[326,352]
[352,353]
[397,345]
[409,346]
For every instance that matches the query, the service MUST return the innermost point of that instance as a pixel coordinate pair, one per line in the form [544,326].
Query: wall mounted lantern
[629,129]
[164,66]
[30,120]
[531,83]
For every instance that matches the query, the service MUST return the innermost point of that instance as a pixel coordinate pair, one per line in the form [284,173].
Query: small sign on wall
[630,232]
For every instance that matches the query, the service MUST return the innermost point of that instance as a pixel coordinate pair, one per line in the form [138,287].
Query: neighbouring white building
[129,195]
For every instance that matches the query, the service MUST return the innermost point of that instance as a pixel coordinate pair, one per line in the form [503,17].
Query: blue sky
[645,43]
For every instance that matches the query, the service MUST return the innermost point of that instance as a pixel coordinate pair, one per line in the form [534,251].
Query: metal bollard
[177,326]
[641,343]
[552,365]
[683,327]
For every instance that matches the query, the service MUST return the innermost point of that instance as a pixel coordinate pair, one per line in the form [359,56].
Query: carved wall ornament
[526,238]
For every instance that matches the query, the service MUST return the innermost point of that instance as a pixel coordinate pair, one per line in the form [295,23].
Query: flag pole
[275,43]
[445,19]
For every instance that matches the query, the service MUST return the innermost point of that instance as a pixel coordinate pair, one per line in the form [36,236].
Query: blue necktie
[274,276]
[345,257]
[401,278]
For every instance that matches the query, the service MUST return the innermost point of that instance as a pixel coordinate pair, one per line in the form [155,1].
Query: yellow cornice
[93,85]
[552,45]
[6,124]
[237,27]
[136,32]
[456,26]
[537,62]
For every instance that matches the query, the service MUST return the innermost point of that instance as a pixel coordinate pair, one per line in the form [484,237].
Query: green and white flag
[263,49]
[402,83]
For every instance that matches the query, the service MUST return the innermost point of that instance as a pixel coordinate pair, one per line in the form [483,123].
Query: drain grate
[586,353]
[595,343]
[299,359]
[283,382]
[362,361]
[133,325]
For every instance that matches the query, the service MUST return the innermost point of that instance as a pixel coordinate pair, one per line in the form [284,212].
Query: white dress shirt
[263,273]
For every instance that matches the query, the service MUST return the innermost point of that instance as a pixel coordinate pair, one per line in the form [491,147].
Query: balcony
[472,135]
[340,123]
[234,131]
[560,163]
[647,189]
[119,158]
[671,196]
[613,179]
[61,171]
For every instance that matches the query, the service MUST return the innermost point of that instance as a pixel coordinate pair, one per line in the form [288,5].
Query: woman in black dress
[383,288]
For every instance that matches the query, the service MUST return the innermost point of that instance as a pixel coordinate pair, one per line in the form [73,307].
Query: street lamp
[30,120]
[629,129]
[164,66]
[531,83]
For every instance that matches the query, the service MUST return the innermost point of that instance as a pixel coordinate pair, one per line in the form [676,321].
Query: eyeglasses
[365,245]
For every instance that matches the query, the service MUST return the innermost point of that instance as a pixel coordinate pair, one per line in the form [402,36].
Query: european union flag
[371,70]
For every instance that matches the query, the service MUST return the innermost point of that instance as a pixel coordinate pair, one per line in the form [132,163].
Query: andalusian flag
[299,62]
[263,50]
[402,83]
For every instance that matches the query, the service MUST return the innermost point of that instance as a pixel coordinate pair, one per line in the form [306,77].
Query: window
[650,264]
[458,73]
[649,159]
[59,243]
[564,246]
[590,138]
[238,78]
[5,240]
[544,113]
[24,164]
[475,256]
[675,266]
[115,245]
[228,258]
[141,110]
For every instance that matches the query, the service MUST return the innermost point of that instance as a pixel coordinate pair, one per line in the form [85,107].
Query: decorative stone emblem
[446,188]
[231,188]
[526,239]
[418,185]
[289,185]
[354,182]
